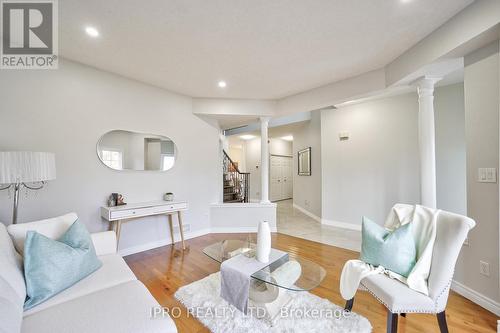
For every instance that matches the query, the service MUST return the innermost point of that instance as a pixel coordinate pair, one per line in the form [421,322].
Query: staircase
[236,183]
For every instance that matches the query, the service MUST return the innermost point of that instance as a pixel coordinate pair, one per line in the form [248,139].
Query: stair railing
[240,181]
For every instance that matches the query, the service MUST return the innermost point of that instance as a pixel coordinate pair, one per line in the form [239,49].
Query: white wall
[237,155]
[65,111]
[241,217]
[307,189]
[379,164]
[280,147]
[252,161]
[450,148]
[481,88]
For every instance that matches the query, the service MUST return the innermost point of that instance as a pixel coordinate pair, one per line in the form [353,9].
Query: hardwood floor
[164,270]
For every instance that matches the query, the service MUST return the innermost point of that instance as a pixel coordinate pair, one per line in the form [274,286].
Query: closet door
[287,187]
[275,179]
[281,181]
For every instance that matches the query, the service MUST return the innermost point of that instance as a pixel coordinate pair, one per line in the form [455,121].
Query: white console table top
[143,205]
[118,214]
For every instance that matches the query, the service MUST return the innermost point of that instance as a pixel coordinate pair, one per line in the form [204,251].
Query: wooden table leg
[179,217]
[170,223]
[118,226]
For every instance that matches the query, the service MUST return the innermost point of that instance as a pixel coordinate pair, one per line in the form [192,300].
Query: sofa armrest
[104,242]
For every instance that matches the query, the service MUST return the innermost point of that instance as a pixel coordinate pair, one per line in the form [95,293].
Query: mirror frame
[176,151]
[303,152]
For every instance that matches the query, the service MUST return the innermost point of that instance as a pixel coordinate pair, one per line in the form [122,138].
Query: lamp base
[17,188]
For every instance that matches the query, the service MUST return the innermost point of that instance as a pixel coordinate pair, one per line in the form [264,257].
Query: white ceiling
[274,132]
[263,49]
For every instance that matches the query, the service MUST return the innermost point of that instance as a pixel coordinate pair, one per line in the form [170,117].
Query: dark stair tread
[235,200]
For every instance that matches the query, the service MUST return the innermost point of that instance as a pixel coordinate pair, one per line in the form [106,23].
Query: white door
[287,178]
[281,181]
[275,179]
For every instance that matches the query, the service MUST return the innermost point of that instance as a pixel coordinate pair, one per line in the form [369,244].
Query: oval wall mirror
[125,150]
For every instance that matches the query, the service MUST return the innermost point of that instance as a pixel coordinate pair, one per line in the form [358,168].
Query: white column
[264,160]
[426,140]
[223,145]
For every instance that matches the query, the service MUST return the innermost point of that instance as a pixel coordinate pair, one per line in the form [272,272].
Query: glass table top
[291,272]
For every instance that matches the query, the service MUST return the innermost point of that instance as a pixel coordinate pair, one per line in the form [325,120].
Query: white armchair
[451,232]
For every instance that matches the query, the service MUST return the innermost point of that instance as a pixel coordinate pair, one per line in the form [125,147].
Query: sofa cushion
[104,242]
[52,228]
[114,271]
[125,308]
[11,264]
[11,308]
[12,287]
[51,266]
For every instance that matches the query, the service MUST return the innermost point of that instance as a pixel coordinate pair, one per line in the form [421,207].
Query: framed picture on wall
[304,159]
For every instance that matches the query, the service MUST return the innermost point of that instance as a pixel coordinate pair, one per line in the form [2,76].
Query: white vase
[263,242]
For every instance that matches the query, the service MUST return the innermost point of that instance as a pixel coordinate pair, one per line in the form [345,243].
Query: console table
[118,214]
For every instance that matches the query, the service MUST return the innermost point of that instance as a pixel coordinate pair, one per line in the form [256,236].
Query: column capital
[425,84]
[264,119]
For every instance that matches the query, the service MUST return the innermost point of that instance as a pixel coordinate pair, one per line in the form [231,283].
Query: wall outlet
[185,228]
[484,268]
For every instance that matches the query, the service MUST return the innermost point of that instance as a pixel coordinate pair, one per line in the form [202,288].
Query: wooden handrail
[234,165]
[237,182]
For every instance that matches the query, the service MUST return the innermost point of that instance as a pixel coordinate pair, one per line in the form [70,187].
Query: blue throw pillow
[50,266]
[395,251]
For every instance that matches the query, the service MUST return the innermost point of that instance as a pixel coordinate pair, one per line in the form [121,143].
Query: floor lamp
[25,169]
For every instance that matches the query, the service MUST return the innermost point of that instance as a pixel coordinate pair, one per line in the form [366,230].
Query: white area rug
[203,299]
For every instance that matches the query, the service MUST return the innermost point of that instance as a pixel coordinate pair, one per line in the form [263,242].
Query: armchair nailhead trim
[436,310]
[445,289]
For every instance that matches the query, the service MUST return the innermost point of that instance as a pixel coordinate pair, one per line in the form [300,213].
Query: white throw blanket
[423,221]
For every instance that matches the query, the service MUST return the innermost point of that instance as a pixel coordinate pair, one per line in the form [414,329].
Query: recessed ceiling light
[247,137]
[222,84]
[287,138]
[406,1]
[92,32]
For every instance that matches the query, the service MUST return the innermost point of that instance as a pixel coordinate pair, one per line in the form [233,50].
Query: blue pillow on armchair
[50,266]
[395,251]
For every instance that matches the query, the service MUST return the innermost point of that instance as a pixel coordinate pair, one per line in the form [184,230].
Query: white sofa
[109,300]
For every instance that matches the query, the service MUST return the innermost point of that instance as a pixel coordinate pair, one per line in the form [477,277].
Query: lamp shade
[26,167]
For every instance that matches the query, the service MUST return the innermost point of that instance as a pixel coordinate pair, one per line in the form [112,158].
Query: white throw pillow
[52,228]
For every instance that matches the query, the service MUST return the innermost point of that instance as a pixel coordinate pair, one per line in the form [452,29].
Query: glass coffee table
[291,272]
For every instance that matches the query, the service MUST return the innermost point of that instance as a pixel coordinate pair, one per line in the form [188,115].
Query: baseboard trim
[197,233]
[478,298]
[243,205]
[343,225]
[237,230]
[306,212]
[163,242]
